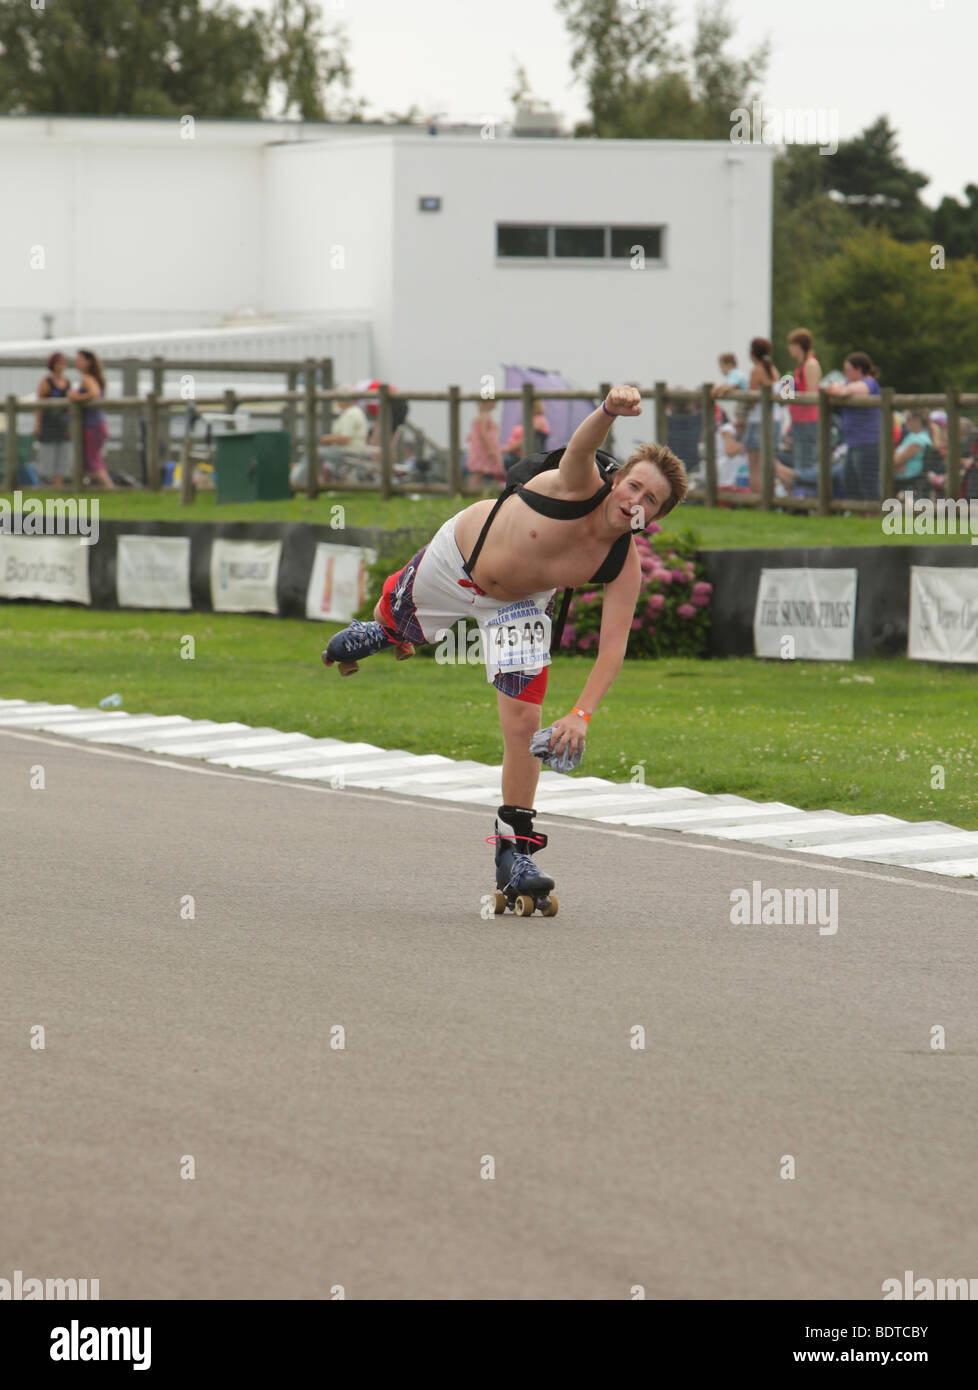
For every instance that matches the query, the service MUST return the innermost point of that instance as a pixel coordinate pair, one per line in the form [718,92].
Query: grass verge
[718,528]
[857,737]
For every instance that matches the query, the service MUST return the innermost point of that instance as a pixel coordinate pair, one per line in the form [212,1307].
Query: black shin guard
[520,818]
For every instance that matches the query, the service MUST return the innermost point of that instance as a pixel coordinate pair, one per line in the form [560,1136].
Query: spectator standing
[763,373]
[52,428]
[541,426]
[484,455]
[95,431]
[938,431]
[860,428]
[802,430]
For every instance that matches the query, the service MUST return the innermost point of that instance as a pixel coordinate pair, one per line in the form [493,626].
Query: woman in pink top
[484,453]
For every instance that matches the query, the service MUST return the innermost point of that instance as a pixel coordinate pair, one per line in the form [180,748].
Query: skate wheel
[524,905]
[347,668]
[498,902]
[550,910]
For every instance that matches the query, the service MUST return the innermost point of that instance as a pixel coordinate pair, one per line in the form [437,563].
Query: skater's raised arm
[577,464]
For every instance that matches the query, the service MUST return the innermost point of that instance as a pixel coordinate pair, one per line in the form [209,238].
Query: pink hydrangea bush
[672,614]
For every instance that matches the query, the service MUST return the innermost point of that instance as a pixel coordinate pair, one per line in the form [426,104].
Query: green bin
[252,466]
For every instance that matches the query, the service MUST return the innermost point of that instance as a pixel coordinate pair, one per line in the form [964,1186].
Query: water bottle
[110,702]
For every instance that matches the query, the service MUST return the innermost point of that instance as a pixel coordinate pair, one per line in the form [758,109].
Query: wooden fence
[314,403]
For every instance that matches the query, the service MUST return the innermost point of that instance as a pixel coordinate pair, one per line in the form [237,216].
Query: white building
[423,260]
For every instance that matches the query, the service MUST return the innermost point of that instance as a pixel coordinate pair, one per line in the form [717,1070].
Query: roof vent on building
[536,120]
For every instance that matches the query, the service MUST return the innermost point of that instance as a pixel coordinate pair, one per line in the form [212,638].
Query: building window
[624,239]
[579,241]
[536,241]
[522,241]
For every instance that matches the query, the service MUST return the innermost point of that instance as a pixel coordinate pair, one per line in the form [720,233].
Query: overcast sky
[915,60]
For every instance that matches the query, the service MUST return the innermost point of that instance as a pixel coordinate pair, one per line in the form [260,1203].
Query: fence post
[10,411]
[327,413]
[312,441]
[824,453]
[77,446]
[455,440]
[153,441]
[767,449]
[289,414]
[186,465]
[529,442]
[952,482]
[661,435]
[158,368]
[709,445]
[130,424]
[886,442]
[386,434]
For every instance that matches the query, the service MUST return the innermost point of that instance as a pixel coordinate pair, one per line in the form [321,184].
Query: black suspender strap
[469,564]
[558,628]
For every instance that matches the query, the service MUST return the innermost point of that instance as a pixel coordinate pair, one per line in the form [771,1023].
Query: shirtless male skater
[500,563]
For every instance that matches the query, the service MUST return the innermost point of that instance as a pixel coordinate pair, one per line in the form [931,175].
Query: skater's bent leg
[519,720]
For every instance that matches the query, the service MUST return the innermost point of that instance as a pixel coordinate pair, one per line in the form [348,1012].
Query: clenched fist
[624,400]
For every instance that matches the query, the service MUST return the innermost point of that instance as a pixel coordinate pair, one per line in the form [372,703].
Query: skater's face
[637,498]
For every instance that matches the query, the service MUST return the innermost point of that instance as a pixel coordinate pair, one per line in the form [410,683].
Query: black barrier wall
[299,542]
[882,589]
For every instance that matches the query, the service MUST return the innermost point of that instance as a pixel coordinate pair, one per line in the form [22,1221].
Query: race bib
[516,638]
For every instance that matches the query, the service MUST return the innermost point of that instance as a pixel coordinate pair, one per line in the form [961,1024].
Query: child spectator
[484,455]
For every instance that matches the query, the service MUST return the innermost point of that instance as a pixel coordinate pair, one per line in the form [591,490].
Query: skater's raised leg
[353,643]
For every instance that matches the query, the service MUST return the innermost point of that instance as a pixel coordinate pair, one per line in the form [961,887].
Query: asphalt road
[361,1166]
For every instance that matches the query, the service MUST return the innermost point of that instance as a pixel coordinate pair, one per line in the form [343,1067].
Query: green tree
[956,224]
[919,325]
[808,228]
[308,63]
[166,57]
[639,83]
[868,174]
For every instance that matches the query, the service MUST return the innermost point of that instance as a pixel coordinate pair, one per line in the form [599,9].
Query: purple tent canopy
[563,416]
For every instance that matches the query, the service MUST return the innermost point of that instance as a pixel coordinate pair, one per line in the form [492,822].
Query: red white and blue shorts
[432,593]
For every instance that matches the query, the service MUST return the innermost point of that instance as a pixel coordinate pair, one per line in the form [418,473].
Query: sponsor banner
[54,568]
[153,571]
[338,582]
[805,614]
[244,575]
[943,614]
